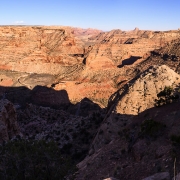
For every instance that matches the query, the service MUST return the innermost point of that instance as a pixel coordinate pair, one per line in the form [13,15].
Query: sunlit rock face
[38,49]
[84,62]
[118,47]
[46,49]
[142,93]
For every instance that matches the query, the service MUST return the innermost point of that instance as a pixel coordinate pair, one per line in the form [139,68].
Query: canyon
[91,62]
[108,99]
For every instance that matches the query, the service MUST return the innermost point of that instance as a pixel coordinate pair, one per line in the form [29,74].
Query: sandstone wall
[38,49]
[113,47]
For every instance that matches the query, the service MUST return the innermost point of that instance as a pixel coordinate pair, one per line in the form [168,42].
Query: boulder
[159,176]
[142,93]
[110,178]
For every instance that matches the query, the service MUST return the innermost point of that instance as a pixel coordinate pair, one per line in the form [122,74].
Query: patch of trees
[151,128]
[33,160]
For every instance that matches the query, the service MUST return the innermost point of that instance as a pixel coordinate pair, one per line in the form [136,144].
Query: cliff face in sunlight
[85,62]
[113,47]
[46,49]
[38,49]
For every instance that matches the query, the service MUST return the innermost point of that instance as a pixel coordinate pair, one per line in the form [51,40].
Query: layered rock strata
[38,49]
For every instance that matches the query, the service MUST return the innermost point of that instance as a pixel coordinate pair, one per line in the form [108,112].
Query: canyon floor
[110,100]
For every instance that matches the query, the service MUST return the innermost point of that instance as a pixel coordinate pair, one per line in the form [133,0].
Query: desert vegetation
[166,96]
[33,160]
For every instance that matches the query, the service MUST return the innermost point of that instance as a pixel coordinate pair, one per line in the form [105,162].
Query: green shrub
[166,96]
[125,133]
[175,139]
[151,128]
[166,92]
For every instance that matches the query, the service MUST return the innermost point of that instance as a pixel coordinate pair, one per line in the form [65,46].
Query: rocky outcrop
[138,97]
[8,121]
[142,93]
[98,92]
[116,47]
[159,176]
[38,49]
[130,152]
[171,50]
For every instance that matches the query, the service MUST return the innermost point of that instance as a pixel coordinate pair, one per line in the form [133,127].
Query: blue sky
[100,14]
